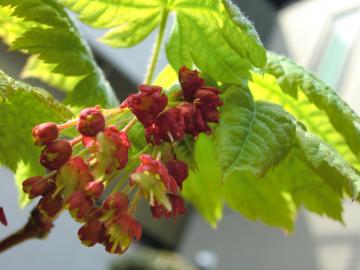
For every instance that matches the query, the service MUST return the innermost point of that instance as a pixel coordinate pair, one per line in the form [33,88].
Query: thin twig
[38,226]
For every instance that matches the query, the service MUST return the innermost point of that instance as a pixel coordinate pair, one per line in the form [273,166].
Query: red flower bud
[3,217]
[80,206]
[178,170]
[36,186]
[91,122]
[147,104]
[56,154]
[91,233]
[45,133]
[94,189]
[51,205]
[169,126]
[190,82]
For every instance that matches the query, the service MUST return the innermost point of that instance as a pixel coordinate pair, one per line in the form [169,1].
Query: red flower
[150,165]
[202,102]
[92,232]
[190,82]
[80,206]
[178,170]
[55,154]
[3,217]
[74,176]
[177,205]
[51,205]
[207,100]
[193,119]
[45,133]
[120,228]
[147,104]
[154,181]
[37,185]
[117,203]
[169,126]
[120,232]
[112,150]
[94,189]
[91,122]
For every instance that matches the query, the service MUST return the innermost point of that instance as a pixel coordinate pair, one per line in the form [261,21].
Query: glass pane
[345,29]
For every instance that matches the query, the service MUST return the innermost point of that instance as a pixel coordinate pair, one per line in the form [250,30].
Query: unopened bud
[45,133]
[36,186]
[91,122]
[56,154]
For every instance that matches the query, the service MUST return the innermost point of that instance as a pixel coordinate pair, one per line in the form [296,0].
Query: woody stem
[37,227]
[156,51]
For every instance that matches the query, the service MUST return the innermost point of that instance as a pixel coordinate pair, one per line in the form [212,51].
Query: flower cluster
[198,106]
[81,168]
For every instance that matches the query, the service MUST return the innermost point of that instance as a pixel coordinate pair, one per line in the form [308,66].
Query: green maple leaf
[11,26]
[213,34]
[36,68]
[316,120]
[252,136]
[293,78]
[306,188]
[328,163]
[307,178]
[242,192]
[61,56]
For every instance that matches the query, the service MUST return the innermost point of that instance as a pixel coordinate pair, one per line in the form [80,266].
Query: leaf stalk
[156,51]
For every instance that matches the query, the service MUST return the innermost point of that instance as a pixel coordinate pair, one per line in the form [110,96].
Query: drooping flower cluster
[198,107]
[81,168]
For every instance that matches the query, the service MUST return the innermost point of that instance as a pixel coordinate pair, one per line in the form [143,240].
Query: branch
[38,226]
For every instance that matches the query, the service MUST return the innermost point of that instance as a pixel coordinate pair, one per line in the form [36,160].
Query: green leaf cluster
[61,57]
[211,34]
[293,78]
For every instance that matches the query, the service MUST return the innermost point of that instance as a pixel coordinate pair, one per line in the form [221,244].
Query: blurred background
[322,35]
